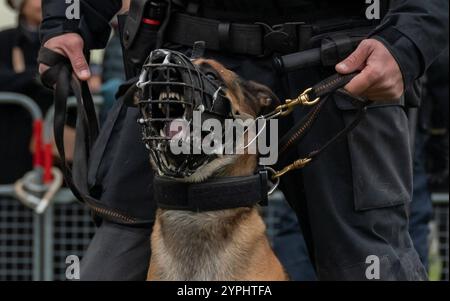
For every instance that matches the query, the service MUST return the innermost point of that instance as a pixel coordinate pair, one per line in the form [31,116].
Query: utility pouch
[139,32]
[336,46]
[324,49]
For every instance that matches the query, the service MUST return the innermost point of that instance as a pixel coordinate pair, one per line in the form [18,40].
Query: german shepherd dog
[226,245]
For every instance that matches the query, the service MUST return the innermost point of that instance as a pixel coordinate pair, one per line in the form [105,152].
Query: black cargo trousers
[352,201]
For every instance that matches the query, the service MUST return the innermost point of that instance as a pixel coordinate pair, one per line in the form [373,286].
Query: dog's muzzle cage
[171,88]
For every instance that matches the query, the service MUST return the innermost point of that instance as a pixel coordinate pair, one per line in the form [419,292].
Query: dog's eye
[211,76]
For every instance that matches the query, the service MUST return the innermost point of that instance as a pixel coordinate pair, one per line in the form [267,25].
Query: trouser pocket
[380,154]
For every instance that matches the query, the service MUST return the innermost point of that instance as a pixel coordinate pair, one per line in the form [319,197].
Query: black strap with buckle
[257,39]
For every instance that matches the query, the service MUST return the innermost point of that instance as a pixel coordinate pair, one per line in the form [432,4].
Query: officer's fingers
[74,50]
[362,82]
[356,60]
[42,68]
[71,45]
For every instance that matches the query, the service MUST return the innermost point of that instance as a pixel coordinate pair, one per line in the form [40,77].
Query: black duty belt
[257,39]
[239,38]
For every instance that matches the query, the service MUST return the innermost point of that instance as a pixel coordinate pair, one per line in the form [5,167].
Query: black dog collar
[214,195]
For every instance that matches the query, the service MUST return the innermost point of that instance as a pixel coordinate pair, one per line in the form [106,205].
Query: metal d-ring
[277,181]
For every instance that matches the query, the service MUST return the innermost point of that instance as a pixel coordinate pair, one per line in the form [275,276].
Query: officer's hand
[70,45]
[380,78]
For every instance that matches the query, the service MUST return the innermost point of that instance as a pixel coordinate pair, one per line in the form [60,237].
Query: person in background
[113,71]
[18,73]
[20,47]
[431,153]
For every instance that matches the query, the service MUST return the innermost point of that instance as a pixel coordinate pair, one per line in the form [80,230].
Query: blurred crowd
[19,74]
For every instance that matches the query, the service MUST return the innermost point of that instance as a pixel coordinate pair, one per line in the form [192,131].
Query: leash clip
[303,99]
[299,164]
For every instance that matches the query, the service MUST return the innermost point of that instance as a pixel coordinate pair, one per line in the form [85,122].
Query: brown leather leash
[60,77]
[315,97]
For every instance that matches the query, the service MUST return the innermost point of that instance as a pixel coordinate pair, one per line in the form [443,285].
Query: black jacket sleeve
[416,32]
[93,24]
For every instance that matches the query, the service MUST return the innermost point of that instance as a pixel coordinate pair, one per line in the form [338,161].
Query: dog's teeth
[163,96]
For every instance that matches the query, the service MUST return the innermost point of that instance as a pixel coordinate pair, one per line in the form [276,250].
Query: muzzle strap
[56,62]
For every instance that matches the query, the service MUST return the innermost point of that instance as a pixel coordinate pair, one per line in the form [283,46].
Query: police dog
[225,245]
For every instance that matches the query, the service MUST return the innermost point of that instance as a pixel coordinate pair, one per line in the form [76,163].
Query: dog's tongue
[173,129]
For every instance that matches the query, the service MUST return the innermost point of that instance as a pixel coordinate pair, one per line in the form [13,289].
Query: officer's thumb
[78,61]
[356,61]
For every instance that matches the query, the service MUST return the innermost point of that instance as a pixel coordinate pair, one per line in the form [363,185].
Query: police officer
[352,202]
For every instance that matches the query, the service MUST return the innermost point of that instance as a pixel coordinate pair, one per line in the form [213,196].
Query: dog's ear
[266,100]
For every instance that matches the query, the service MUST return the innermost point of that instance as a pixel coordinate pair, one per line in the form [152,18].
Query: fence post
[37,248]
[48,265]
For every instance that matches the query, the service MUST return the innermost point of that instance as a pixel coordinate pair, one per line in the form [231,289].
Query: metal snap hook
[277,181]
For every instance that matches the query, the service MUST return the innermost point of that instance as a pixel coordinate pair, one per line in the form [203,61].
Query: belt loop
[224,31]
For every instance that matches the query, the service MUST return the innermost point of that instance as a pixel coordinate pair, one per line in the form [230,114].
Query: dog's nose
[166,74]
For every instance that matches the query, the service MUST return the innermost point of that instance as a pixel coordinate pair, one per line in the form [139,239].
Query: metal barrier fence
[35,247]
[73,230]
[16,241]
[439,253]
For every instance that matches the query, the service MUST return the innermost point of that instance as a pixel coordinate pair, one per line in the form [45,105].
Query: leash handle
[331,84]
[60,77]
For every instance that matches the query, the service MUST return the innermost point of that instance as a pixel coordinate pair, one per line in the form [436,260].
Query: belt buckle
[282,38]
